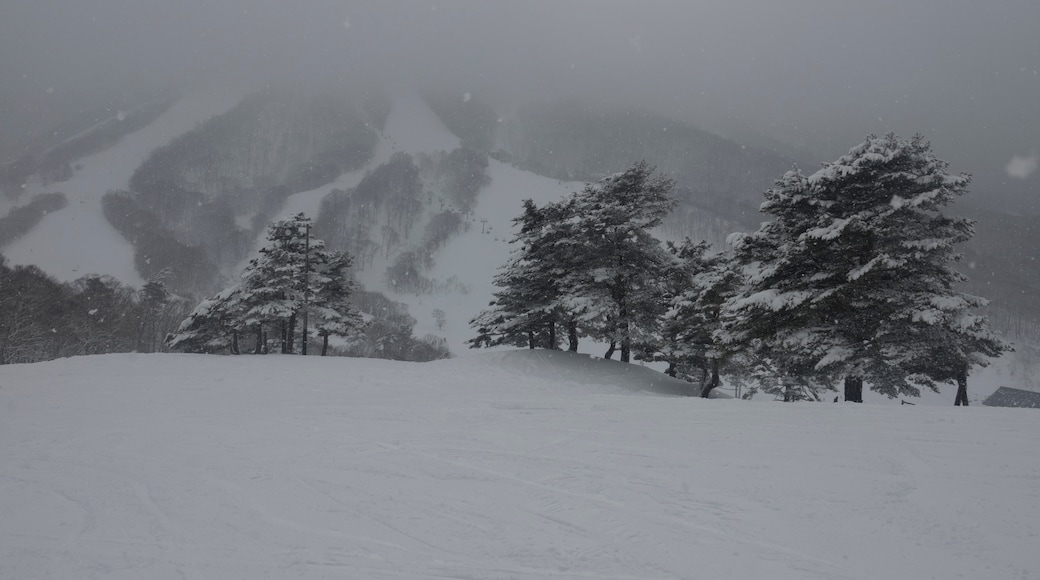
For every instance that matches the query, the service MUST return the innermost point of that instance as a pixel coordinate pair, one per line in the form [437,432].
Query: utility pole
[306,284]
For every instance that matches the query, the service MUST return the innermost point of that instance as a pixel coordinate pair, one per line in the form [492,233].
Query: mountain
[78,240]
[420,187]
[518,464]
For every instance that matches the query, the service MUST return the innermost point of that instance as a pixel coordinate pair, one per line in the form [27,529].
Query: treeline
[89,133]
[20,220]
[156,249]
[214,189]
[852,281]
[43,319]
[55,165]
[380,217]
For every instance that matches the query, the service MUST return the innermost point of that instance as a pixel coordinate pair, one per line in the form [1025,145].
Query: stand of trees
[853,280]
[587,264]
[293,288]
[22,219]
[43,319]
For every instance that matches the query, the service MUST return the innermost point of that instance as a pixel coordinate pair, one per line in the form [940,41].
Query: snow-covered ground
[502,465]
[78,240]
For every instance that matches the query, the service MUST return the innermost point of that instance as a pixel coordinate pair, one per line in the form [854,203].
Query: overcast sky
[818,74]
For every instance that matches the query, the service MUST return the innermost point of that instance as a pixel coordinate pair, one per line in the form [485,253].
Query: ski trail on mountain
[78,240]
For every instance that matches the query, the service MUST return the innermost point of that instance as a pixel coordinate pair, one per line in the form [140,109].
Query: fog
[818,75]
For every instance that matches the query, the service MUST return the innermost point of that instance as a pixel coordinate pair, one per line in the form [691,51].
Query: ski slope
[473,257]
[410,128]
[78,240]
[508,465]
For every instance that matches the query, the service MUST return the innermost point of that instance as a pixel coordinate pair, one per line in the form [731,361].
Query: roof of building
[1008,397]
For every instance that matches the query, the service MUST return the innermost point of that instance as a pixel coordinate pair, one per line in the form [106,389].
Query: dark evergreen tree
[700,283]
[293,275]
[527,308]
[330,300]
[854,277]
[215,325]
[616,286]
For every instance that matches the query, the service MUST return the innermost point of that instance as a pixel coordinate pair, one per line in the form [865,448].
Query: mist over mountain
[157,139]
[816,75]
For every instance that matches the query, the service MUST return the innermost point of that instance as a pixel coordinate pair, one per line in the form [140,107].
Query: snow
[78,240]
[828,232]
[773,299]
[516,465]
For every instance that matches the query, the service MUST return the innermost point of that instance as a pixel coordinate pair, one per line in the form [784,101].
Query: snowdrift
[501,465]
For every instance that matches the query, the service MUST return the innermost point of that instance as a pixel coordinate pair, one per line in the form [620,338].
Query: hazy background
[818,75]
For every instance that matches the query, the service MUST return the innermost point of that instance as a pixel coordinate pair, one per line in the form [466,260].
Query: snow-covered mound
[78,240]
[504,465]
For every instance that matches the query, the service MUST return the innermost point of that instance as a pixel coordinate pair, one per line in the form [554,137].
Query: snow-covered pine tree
[291,273]
[212,326]
[526,310]
[615,286]
[331,289]
[854,277]
[702,282]
[273,283]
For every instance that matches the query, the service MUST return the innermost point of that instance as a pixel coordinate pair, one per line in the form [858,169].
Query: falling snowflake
[120,116]
[1022,166]
[466,97]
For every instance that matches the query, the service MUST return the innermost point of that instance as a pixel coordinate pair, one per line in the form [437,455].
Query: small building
[1008,397]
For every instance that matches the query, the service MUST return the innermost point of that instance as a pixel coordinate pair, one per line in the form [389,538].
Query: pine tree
[615,284]
[588,265]
[293,275]
[526,310]
[212,326]
[273,285]
[854,278]
[329,300]
[700,284]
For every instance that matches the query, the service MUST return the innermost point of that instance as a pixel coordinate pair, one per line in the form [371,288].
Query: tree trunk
[291,337]
[234,342]
[552,335]
[284,338]
[715,381]
[259,340]
[610,351]
[324,344]
[854,389]
[572,335]
[672,371]
[626,340]
[962,389]
[530,340]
